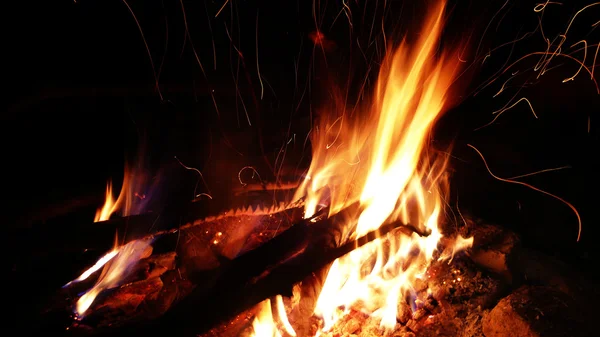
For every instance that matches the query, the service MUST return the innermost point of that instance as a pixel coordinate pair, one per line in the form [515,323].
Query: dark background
[81,100]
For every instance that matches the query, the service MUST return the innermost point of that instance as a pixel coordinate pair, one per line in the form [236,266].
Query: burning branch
[271,269]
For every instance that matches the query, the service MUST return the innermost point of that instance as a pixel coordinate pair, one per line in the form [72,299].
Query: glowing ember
[393,178]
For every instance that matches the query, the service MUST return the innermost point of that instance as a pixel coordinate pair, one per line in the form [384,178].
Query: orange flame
[381,162]
[126,202]
[264,325]
[109,207]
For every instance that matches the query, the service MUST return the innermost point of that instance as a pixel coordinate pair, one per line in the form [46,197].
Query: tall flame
[381,162]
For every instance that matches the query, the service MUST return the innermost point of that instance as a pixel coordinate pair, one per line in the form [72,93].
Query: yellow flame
[109,207]
[283,316]
[114,272]
[264,325]
[99,264]
[132,182]
[381,162]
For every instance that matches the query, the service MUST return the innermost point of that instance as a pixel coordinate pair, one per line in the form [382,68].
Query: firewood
[122,302]
[198,253]
[151,267]
[226,287]
[128,297]
[267,186]
[76,237]
[137,301]
[271,269]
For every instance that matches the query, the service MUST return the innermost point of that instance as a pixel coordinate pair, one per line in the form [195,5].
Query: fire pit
[493,287]
[360,243]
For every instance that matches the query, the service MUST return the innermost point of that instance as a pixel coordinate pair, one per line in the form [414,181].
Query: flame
[120,259]
[381,162]
[264,324]
[99,264]
[102,214]
[127,256]
[109,207]
[126,202]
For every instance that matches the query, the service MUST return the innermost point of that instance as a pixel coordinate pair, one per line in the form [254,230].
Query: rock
[536,268]
[534,311]
[493,247]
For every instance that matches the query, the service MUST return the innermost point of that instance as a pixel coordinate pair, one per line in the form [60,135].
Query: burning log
[209,280]
[226,287]
[152,267]
[125,300]
[99,237]
[271,269]
[267,186]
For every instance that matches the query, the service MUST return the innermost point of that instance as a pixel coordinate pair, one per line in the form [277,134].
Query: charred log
[99,237]
[271,269]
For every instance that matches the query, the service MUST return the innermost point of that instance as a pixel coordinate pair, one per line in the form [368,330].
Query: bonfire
[362,247]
